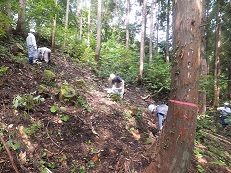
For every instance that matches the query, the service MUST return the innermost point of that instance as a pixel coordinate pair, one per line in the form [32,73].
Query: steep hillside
[89,132]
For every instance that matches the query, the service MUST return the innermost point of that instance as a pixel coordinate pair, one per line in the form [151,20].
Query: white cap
[226,104]
[32,30]
[151,107]
[112,76]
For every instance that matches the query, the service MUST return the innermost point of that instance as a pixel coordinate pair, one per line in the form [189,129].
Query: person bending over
[117,85]
[44,53]
[161,112]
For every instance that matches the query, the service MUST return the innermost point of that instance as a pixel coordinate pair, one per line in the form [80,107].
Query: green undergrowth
[211,151]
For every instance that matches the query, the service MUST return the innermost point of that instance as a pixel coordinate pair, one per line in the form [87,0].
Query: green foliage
[79,50]
[200,169]
[15,145]
[31,130]
[67,91]
[148,141]
[198,153]
[54,108]
[48,9]
[82,102]
[3,70]
[48,77]
[5,19]
[27,101]
[65,118]
[157,75]
[119,60]
[1,146]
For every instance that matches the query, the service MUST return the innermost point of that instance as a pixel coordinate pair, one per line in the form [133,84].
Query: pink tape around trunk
[185,103]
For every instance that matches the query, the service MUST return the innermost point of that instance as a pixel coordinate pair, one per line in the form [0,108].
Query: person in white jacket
[225,110]
[44,53]
[117,85]
[32,47]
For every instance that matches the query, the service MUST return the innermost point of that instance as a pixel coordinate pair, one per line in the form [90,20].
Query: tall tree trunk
[217,61]
[21,23]
[157,28]
[167,32]
[127,23]
[8,11]
[151,31]
[81,20]
[89,24]
[142,43]
[177,138]
[97,51]
[203,68]
[66,23]
[229,81]
[54,30]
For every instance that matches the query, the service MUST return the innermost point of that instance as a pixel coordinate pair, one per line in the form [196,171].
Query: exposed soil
[99,135]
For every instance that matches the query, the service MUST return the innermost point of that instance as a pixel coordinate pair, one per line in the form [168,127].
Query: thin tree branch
[9,154]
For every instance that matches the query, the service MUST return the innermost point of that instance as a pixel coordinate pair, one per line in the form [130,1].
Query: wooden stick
[146,97]
[9,154]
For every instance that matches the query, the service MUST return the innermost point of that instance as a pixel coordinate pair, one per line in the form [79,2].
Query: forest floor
[89,133]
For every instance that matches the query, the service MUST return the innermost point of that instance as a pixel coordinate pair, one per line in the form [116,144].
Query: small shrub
[48,77]
[26,101]
[32,129]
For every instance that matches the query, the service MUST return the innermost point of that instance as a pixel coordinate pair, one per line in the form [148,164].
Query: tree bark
[217,61]
[127,23]
[89,25]
[81,21]
[142,43]
[204,67]
[176,142]
[151,31]
[66,22]
[8,11]
[229,81]
[167,32]
[54,30]
[98,31]
[21,23]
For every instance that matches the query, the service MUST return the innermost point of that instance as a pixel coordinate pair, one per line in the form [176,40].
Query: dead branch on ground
[152,95]
[9,154]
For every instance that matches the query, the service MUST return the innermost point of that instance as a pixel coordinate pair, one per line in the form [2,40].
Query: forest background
[103,35]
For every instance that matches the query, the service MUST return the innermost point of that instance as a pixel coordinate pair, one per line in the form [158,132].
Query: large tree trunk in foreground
[177,138]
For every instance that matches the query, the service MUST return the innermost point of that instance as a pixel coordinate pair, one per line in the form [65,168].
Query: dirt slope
[92,134]
[101,135]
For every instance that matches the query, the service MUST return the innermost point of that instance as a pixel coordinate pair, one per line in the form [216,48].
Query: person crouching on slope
[117,85]
[161,112]
[44,53]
